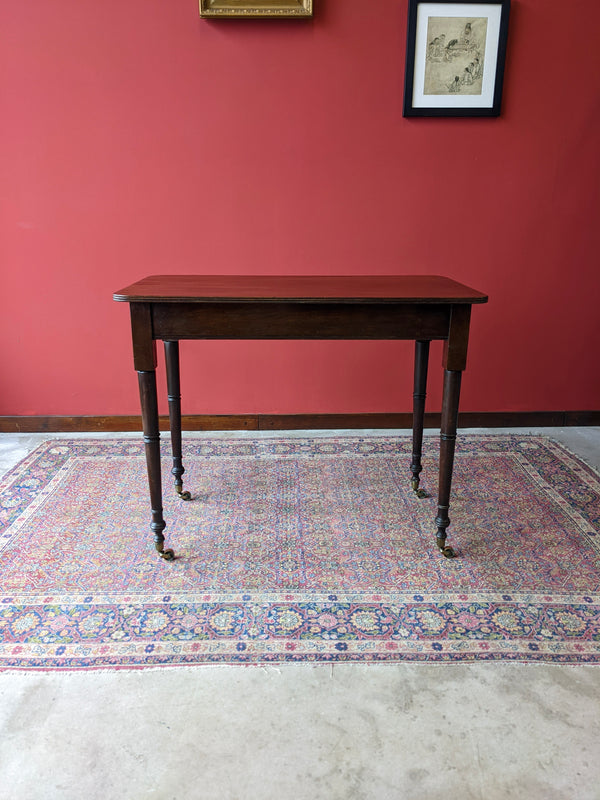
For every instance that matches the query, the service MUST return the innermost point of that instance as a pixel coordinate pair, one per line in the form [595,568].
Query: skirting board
[282,422]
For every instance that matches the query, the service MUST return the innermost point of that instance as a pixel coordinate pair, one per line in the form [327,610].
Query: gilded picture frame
[455,56]
[219,9]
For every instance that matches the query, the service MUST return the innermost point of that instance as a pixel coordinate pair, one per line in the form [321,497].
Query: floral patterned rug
[299,549]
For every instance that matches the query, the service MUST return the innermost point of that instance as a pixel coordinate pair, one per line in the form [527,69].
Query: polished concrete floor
[407,731]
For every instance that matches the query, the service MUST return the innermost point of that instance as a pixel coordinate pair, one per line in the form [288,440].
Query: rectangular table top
[298,288]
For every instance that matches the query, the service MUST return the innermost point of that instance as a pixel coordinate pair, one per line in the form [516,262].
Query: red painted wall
[136,138]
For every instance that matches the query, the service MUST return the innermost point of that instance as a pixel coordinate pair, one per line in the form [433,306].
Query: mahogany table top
[298,288]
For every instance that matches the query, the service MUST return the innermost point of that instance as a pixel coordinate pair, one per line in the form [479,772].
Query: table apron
[299,320]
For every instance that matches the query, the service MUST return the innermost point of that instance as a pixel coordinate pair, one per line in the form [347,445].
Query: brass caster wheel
[448,552]
[168,555]
[421,493]
[184,495]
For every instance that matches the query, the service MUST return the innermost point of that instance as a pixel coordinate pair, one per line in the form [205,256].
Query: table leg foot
[167,555]
[182,495]
[442,521]
[157,527]
[447,551]
[421,493]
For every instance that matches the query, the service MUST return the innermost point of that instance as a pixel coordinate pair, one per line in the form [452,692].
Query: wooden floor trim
[282,422]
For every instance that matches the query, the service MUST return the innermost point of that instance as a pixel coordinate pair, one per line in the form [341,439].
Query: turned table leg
[452,380]
[144,359]
[174,395]
[454,362]
[149,402]
[420,389]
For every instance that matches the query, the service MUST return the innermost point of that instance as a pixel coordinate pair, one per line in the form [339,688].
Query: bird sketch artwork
[455,55]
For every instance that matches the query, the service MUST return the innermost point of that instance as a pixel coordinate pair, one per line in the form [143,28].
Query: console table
[416,307]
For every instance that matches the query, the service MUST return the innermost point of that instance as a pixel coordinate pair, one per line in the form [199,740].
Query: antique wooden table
[418,307]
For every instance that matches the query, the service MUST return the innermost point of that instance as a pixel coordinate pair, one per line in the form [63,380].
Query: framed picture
[455,58]
[255,8]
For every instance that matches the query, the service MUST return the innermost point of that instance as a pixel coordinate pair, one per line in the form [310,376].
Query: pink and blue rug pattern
[299,549]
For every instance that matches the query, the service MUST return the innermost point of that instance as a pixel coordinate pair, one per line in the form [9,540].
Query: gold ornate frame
[255,8]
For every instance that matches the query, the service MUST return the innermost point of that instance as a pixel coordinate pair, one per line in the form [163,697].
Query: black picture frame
[455,55]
